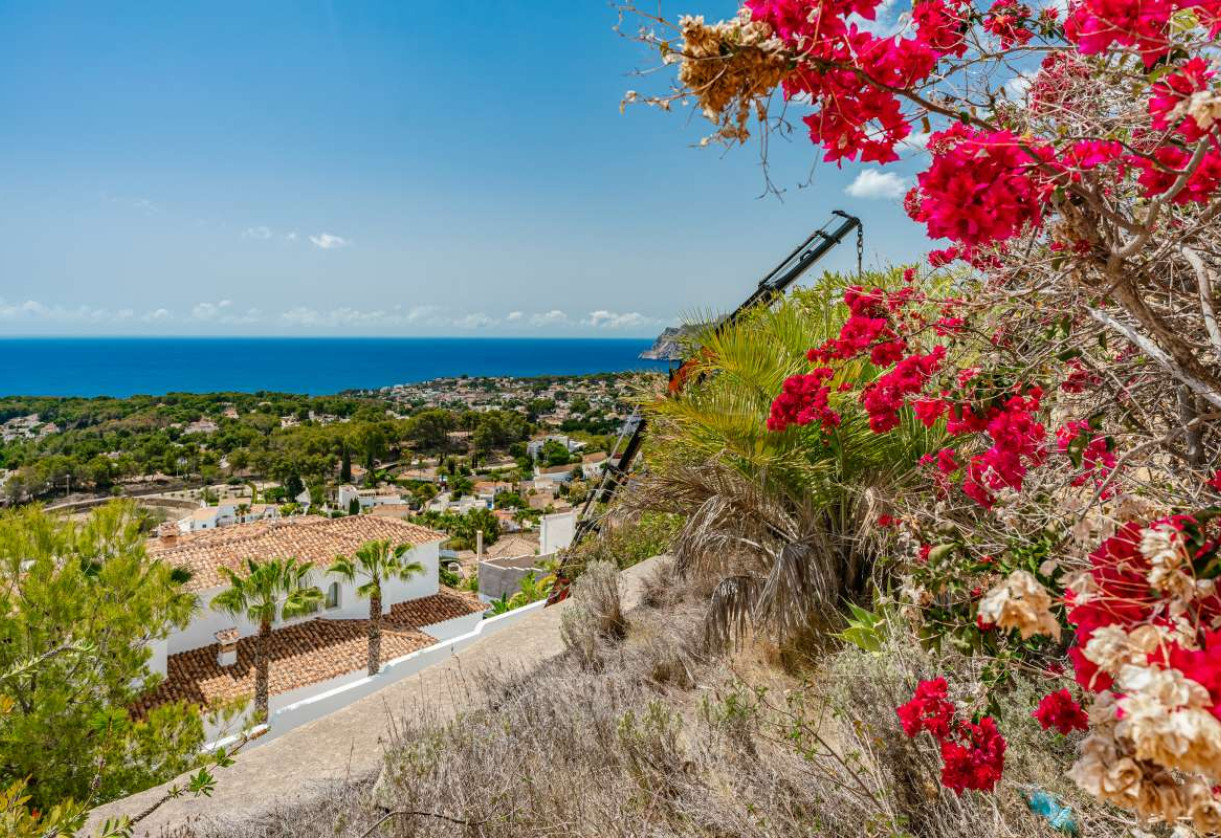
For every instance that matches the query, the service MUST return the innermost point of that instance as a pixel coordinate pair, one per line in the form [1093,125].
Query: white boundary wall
[297,707]
[556,532]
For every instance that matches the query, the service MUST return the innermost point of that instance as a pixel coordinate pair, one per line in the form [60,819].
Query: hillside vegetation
[649,734]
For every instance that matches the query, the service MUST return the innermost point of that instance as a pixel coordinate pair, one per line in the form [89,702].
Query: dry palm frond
[777,557]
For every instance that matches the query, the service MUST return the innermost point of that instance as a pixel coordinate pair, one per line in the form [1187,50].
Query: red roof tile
[301,654]
[430,610]
[309,538]
[304,653]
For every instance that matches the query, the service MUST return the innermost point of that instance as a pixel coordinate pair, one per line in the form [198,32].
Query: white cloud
[340,317]
[301,316]
[915,142]
[260,233]
[222,313]
[871,183]
[292,237]
[214,315]
[555,317]
[418,313]
[33,310]
[603,319]
[885,21]
[209,311]
[475,320]
[328,242]
[1017,87]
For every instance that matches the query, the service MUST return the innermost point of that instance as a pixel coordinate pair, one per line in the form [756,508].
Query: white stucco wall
[556,532]
[456,627]
[206,622]
[295,708]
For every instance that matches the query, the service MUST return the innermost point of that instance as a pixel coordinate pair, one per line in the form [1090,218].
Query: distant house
[554,474]
[543,497]
[489,489]
[592,465]
[392,510]
[507,519]
[445,502]
[367,498]
[201,426]
[226,513]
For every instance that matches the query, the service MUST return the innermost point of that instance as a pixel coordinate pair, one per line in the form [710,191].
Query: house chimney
[167,534]
[227,639]
[479,544]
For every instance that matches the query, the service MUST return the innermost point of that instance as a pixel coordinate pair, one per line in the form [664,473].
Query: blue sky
[378,168]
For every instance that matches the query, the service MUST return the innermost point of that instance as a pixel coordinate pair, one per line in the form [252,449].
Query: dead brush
[594,614]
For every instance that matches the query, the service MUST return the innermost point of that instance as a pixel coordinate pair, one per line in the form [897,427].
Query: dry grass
[596,612]
[649,735]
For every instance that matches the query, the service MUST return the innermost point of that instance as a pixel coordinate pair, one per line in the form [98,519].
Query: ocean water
[315,366]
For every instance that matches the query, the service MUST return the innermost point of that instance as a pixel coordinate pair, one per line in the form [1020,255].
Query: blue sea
[315,366]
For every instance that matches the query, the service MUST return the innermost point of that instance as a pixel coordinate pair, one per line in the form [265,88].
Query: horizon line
[324,337]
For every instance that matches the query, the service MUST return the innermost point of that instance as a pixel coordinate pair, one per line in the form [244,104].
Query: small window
[332,596]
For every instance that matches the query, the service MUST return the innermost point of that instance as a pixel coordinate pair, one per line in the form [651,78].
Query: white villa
[553,475]
[211,661]
[226,513]
[367,498]
[592,465]
[445,502]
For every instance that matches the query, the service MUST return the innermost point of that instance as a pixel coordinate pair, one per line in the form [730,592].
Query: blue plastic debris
[1053,810]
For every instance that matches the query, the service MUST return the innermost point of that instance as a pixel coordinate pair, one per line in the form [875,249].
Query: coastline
[120,367]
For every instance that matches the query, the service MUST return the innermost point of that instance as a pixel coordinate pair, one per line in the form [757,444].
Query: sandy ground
[306,761]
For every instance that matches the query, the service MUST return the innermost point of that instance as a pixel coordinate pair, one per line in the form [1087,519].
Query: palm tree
[781,523]
[532,589]
[268,590]
[377,562]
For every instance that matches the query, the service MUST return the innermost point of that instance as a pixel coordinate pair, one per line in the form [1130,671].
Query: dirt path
[308,760]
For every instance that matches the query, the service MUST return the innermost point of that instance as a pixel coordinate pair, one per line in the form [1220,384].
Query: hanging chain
[860,251]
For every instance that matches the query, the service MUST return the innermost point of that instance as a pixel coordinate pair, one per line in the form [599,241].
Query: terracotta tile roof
[301,654]
[507,546]
[309,538]
[426,611]
[204,513]
[391,510]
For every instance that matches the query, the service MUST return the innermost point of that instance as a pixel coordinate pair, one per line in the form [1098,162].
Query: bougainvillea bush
[1061,334]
